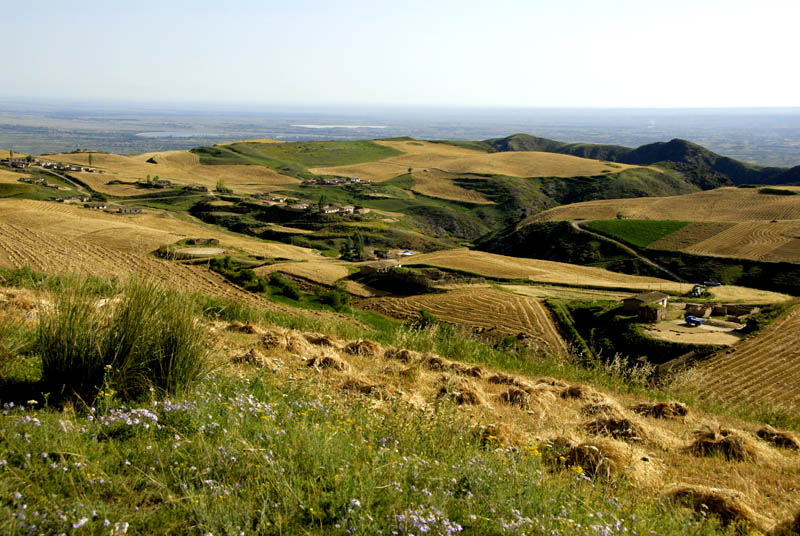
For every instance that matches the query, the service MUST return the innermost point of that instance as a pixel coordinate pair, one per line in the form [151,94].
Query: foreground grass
[255,456]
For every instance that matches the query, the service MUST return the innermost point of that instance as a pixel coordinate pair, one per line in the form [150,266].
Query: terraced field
[459,160]
[763,369]
[181,167]
[756,240]
[485,310]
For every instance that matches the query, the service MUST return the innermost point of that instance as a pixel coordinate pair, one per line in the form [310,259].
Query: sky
[461,53]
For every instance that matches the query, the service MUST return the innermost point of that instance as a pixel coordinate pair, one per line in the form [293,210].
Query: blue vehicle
[712,283]
[694,320]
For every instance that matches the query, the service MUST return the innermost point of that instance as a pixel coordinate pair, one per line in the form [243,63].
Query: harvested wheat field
[325,273]
[540,271]
[757,240]
[664,449]
[764,369]
[140,233]
[10,177]
[720,204]
[181,167]
[451,159]
[487,311]
[437,183]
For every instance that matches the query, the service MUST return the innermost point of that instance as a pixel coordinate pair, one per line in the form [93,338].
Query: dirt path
[632,251]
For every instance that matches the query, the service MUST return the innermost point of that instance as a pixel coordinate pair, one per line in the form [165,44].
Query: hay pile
[661,410]
[603,458]
[461,391]
[403,355]
[728,505]
[725,443]
[582,392]
[286,339]
[328,360]
[615,426]
[790,527]
[319,339]
[552,382]
[358,385]
[779,438]
[494,435]
[251,357]
[249,328]
[505,379]
[473,371]
[606,407]
[517,397]
[363,348]
[435,362]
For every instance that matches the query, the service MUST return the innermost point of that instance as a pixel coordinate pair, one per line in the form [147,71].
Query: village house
[296,207]
[650,306]
[96,206]
[129,210]
[379,267]
[360,210]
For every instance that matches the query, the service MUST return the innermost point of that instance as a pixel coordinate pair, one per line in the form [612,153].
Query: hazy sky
[517,53]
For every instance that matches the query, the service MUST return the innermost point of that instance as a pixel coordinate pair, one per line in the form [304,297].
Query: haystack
[517,397]
[603,458]
[402,354]
[460,391]
[494,435]
[328,360]
[727,504]
[505,379]
[552,382]
[473,371]
[581,392]
[435,362]
[285,339]
[617,427]
[320,339]
[251,357]
[779,438]
[790,527]
[250,328]
[358,385]
[725,443]
[363,348]
[661,410]
[606,407]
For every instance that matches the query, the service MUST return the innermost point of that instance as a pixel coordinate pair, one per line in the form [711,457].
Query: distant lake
[340,126]
[178,134]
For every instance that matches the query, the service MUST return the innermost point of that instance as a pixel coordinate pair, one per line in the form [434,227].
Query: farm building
[634,303]
[129,210]
[379,267]
[700,310]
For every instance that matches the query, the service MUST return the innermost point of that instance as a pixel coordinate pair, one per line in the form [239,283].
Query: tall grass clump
[145,338]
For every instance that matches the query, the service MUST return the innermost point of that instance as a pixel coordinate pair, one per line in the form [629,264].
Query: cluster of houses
[72,199]
[304,206]
[112,210]
[24,163]
[334,181]
[41,181]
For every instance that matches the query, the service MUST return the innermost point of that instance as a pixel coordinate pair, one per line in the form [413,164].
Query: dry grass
[460,391]
[10,177]
[364,348]
[181,167]
[756,240]
[730,445]
[252,357]
[328,360]
[618,427]
[288,340]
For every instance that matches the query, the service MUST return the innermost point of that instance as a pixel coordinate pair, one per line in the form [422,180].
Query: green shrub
[147,339]
[284,286]
[336,297]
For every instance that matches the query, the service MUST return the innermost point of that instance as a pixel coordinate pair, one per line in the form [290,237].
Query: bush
[147,338]
[336,297]
[283,286]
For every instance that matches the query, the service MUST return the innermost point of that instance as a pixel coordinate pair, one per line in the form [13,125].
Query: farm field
[10,177]
[483,309]
[764,368]
[679,331]
[326,273]
[719,205]
[459,160]
[437,183]
[492,265]
[180,167]
[757,240]
[565,293]
[141,233]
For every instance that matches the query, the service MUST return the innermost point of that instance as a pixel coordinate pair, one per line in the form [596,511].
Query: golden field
[458,160]
[180,167]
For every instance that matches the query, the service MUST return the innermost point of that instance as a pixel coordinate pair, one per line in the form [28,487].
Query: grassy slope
[640,233]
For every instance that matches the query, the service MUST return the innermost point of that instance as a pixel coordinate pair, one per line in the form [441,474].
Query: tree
[90,159]
[322,202]
[221,188]
[29,159]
